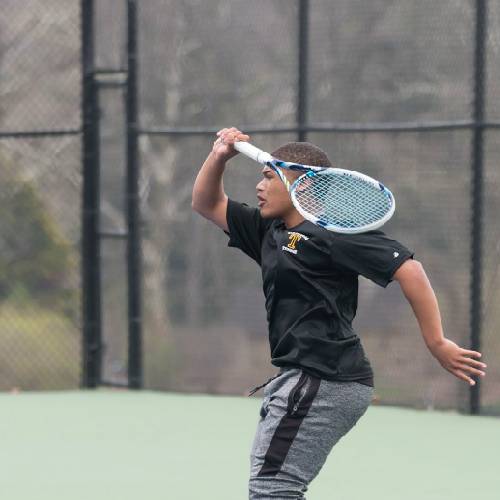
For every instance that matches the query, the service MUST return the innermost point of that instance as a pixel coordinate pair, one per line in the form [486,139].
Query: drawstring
[255,389]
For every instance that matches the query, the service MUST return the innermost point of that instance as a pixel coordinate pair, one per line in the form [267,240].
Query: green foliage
[40,348]
[35,259]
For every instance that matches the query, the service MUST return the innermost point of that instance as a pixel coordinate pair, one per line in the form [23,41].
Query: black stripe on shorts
[299,402]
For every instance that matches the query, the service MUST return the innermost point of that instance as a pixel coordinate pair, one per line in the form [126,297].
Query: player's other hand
[460,362]
[223,147]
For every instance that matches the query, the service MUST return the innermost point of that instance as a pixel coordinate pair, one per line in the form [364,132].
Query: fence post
[477,193]
[302,69]
[90,267]
[133,208]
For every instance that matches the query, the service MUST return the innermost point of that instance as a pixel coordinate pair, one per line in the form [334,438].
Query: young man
[310,280]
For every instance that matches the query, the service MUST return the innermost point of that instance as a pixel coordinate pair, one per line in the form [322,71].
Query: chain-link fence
[390,90]
[386,87]
[40,185]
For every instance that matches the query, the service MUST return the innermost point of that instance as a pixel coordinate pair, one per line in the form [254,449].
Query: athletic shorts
[301,418]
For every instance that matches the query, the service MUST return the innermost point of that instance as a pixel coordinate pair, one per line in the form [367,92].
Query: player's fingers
[475,354]
[243,137]
[473,362]
[229,137]
[228,129]
[468,368]
[463,376]
[220,143]
[233,131]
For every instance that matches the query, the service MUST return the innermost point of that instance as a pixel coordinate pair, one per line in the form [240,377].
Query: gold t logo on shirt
[293,239]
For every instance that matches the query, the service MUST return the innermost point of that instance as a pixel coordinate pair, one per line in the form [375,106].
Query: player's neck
[292,219]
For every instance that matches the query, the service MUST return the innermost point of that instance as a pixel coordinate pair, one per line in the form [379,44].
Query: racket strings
[341,200]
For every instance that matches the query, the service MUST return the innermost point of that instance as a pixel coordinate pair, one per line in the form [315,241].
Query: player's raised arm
[418,290]
[209,198]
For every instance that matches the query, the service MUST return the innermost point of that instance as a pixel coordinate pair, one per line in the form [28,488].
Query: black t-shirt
[310,282]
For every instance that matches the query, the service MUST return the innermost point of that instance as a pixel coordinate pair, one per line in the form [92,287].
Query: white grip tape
[252,152]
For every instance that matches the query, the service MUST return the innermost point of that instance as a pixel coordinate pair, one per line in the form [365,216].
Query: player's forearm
[420,295]
[422,299]
[208,189]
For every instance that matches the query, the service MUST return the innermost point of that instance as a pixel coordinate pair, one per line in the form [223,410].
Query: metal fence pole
[90,268]
[302,69]
[133,212]
[477,192]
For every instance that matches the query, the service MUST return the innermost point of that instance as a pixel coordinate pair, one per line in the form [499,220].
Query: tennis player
[310,280]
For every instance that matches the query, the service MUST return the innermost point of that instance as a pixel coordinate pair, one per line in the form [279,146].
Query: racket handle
[252,152]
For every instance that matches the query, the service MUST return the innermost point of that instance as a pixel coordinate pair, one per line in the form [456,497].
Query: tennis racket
[342,201]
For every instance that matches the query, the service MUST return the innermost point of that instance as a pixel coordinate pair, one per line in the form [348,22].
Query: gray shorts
[301,418]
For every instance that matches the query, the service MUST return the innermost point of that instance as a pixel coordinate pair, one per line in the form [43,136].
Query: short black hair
[304,153]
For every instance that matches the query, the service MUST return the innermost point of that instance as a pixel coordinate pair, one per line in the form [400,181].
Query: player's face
[273,197]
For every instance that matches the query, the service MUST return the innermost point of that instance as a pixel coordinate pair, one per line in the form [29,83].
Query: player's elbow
[202,202]
[194,205]
[197,203]
[200,209]
[203,210]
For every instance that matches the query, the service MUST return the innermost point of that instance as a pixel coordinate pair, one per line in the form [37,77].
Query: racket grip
[252,152]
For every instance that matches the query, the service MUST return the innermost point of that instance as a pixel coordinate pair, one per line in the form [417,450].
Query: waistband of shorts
[282,370]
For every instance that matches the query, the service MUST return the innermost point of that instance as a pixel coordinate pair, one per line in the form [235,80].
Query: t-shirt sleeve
[246,228]
[373,255]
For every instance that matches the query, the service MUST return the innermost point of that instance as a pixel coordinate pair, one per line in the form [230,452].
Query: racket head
[294,166]
[342,201]
[278,166]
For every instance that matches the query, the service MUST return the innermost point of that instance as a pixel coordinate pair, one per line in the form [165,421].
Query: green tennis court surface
[109,445]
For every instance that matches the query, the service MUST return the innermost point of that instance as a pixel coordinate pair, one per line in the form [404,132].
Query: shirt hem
[347,378]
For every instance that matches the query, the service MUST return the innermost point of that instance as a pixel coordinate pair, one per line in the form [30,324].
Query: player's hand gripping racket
[342,201]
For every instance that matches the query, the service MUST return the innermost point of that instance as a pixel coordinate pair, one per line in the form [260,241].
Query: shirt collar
[281,225]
